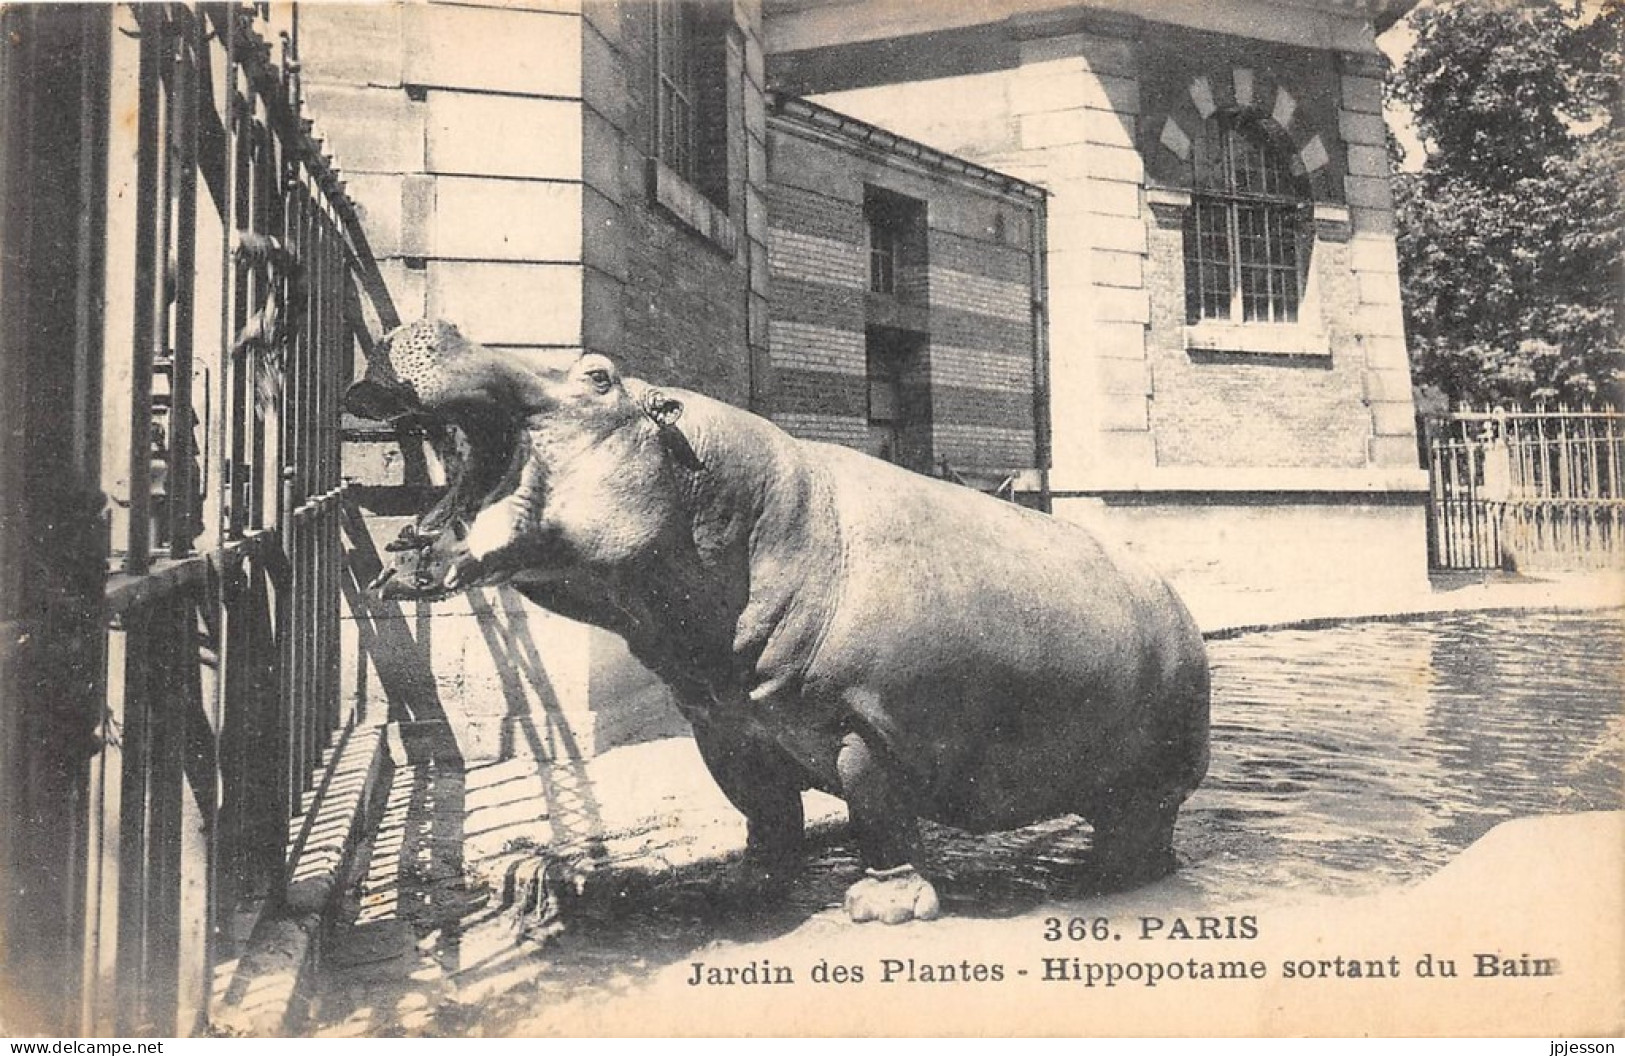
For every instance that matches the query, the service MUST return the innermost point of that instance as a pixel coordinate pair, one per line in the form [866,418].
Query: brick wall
[674,277]
[967,389]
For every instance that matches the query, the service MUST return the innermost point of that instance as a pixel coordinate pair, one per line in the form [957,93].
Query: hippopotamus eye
[600,379]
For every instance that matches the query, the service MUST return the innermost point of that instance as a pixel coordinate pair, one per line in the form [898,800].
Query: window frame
[1245,200]
[884,243]
[676,86]
[692,174]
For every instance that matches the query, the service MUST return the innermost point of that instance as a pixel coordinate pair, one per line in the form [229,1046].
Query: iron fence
[213,295]
[1538,488]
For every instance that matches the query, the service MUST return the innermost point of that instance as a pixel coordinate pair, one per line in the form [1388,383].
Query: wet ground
[1346,760]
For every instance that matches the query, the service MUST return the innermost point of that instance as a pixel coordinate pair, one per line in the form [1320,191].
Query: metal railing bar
[126,593]
[182,483]
[148,286]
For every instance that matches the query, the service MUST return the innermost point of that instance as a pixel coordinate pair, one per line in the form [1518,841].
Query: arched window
[1241,233]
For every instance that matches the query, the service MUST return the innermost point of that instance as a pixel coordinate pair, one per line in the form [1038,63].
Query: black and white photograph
[863,518]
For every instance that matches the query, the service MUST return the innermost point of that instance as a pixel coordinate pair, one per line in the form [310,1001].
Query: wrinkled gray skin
[831,621]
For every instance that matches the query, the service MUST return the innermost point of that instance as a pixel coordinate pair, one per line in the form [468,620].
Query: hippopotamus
[824,619]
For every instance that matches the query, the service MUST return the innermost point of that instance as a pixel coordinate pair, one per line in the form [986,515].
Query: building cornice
[810,116]
[1333,25]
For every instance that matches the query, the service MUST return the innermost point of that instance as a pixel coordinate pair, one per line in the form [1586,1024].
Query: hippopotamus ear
[661,408]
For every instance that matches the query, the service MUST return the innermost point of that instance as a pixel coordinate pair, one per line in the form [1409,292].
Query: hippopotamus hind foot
[892,896]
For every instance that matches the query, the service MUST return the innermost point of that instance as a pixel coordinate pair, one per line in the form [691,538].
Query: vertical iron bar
[183,501]
[149,267]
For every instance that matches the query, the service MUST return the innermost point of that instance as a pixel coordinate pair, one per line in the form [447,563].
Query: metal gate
[1527,489]
[176,344]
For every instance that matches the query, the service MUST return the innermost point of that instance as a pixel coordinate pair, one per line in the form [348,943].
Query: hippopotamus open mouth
[428,373]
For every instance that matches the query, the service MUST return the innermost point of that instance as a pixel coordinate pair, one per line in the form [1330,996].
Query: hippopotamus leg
[888,835]
[1134,837]
[1133,816]
[759,779]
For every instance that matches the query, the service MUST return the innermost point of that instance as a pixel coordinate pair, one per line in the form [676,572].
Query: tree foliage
[1510,234]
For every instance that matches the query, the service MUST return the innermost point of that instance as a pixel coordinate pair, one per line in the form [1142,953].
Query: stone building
[616,177]
[1230,388]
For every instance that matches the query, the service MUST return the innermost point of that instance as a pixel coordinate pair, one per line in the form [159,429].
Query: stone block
[1379,320]
[1201,95]
[604,75]
[1117,341]
[1393,451]
[601,167]
[1053,128]
[1387,384]
[1313,156]
[1103,91]
[368,129]
[406,289]
[377,197]
[1124,377]
[1362,94]
[1386,352]
[504,303]
[1109,129]
[358,44]
[492,49]
[756,222]
[1125,414]
[1115,163]
[602,320]
[755,61]
[496,135]
[1112,304]
[1373,221]
[516,220]
[1099,54]
[1373,254]
[1369,192]
[417,215]
[604,16]
[1047,87]
[1121,450]
[1111,268]
[1393,418]
[1070,272]
[1112,198]
[1368,161]
[1074,227]
[1378,287]
[604,242]
[1366,129]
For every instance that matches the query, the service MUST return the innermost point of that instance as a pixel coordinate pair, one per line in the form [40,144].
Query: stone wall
[1098,104]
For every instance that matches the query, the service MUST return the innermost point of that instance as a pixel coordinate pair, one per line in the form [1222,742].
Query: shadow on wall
[548,749]
[517,698]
